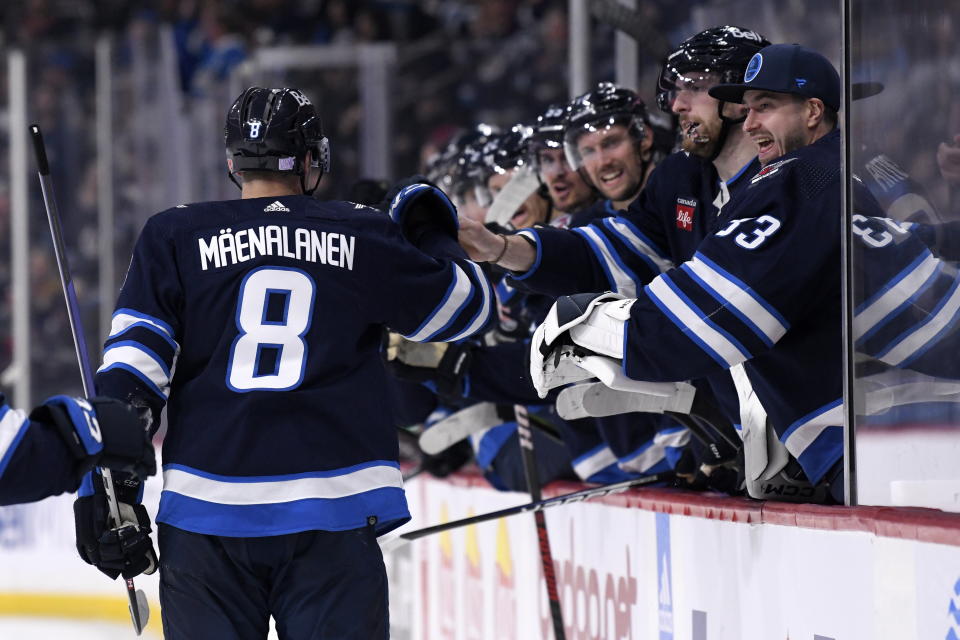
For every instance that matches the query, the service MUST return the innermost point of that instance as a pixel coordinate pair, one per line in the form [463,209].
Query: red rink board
[909,523]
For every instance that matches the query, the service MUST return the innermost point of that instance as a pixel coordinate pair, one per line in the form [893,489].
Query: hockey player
[571,196]
[66,437]
[678,208]
[607,135]
[763,288]
[258,322]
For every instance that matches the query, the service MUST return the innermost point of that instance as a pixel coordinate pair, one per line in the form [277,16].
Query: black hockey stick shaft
[80,344]
[525,437]
[535,507]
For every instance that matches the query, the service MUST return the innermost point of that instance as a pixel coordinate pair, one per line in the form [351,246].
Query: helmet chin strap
[725,124]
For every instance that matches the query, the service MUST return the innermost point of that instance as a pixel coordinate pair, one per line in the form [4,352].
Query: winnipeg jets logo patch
[276,205]
[769,170]
[686,209]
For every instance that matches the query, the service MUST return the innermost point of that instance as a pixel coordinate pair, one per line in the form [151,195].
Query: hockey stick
[396,542]
[461,424]
[139,609]
[525,437]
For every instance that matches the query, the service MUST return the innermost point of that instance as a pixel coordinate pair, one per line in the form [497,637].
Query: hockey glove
[441,363]
[418,208]
[449,460]
[579,325]
[100,432]
[115,550]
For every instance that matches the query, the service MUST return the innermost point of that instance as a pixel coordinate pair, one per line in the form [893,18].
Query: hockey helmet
[272,130]
[720,52]
[606,106]
[501,154]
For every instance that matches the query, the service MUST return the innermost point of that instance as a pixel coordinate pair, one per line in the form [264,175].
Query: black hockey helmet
[548,129]
[605,106]
[724,51]
[272,130]
[503,152]
[508,150]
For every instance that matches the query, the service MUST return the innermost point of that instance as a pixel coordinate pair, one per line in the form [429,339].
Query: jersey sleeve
[428,298]
[747,284]
[908,299]
[142,348]
[26,448]
[618,253]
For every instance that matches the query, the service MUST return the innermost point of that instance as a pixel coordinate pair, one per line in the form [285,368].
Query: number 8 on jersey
[274,310]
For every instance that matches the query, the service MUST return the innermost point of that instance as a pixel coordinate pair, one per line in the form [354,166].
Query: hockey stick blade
[79,341]
[447,432]
[400,540]
[522,184]
[139,609]
[598,400]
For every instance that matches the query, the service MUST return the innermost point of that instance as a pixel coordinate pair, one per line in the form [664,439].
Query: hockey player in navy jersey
[66,437]
[257,322]
[678,208]
[608,137]
[763,289]
[571,196]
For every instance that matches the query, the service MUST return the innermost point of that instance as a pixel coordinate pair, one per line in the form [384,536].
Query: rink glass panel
[907,434]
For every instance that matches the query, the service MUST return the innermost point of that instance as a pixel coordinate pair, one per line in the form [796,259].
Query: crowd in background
[459,62]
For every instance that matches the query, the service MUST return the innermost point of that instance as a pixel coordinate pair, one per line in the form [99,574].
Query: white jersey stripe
[621,281]
[486,308]
[656,451]
[690,322]
[638,244]
[800,436]
[593,462]
[922,335]
[903,288]
[448,308]
[12,423]
[752,311]
[124,318]
[147,366]
[241,492]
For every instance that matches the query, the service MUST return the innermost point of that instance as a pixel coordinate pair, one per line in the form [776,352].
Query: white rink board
[639,574]
[699,579]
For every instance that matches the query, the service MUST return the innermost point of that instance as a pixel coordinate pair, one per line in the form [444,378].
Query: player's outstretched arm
[66,437]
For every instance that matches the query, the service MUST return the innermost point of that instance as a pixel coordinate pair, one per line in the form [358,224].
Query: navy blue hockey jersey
[34,461]
[258,323]
[679,206]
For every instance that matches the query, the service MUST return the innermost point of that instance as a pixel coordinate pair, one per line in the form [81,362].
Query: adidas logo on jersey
[276,205]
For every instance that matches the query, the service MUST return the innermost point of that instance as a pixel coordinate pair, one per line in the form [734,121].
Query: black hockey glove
[421,207]
[441,363]
[123,550]
[449,460]
[100,432]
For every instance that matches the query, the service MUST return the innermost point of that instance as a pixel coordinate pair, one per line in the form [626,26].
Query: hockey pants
[317,585]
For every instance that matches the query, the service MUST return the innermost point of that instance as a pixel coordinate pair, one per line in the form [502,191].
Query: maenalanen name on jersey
[230,247]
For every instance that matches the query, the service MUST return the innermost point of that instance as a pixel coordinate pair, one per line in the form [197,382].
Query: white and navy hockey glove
[419,207]
[100,432]
[576,327]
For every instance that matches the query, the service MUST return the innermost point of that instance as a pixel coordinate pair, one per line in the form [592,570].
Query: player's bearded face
[775,124]
[700,124]
[567,189]
[611,161]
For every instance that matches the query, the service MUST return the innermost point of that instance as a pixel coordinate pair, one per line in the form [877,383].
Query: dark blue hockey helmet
[599,109]
[272,130]
[722,52]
